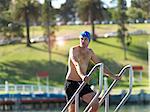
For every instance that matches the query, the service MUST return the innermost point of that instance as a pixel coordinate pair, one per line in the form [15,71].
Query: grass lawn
[75,30]
[19,64]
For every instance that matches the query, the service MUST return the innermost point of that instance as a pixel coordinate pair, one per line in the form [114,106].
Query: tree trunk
[93,31]
[27,21]
[92,25]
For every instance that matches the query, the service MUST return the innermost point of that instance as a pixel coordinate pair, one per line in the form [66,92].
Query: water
[131,108]
[136,108]
[126,108]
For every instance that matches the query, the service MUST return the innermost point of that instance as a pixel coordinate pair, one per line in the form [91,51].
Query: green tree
[122,30]
[25,11]
[135,13]
[48,17]
[142,4]
[90,10]
[48,20]
[67,10]
[8,27]
[4,5]
[113,13]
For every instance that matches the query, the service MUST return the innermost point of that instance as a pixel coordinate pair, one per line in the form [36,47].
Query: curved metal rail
[80,87]
[100,90]
[129,92]
[114,83]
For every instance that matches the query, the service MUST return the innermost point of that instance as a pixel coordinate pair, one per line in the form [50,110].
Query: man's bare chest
[83,56]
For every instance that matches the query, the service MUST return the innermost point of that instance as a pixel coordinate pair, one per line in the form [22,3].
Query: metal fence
[27,88]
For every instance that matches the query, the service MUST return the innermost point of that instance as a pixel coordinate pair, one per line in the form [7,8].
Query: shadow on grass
[46,50]
[39,49]
[111,45]
[137,51]
[25,72]
[115,68]
[112,65]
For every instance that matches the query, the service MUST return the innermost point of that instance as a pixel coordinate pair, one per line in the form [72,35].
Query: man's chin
[83,46]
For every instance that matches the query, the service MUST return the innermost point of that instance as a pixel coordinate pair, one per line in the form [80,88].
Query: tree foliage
[10,29]
[113,13]
[86,8]
[122,30]
[67,10]
[142,4]
[25,11]
[48,16]
[135,13]
[4,5]
[90,10]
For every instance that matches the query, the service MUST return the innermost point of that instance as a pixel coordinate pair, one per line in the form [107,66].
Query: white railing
[106,93]
[75,95]
[26,88]
[114,83]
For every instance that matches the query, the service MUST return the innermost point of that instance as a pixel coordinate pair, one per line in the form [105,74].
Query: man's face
[84,42]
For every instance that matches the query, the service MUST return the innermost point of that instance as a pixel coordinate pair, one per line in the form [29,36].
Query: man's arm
[75,61]
[107,72]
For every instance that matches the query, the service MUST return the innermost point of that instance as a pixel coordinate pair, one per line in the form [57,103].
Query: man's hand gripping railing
[82,85]
[114,83]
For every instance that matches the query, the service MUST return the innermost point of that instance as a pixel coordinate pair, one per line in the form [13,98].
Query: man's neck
[83,47]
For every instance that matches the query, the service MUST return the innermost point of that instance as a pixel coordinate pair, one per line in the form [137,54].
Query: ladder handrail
[107,97]
[100,90]
[80,87]
[124,99]
[113,84]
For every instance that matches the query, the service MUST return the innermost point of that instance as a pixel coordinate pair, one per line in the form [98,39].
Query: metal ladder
[88,108]
[124,99]
[76,94]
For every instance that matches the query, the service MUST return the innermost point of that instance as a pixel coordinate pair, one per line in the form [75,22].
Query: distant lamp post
[48,24]
[55,4]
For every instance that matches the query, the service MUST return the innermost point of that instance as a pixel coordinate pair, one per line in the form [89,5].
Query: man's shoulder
[90,50]
[74,47]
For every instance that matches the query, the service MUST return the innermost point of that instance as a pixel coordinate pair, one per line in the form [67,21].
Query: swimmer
[79,58]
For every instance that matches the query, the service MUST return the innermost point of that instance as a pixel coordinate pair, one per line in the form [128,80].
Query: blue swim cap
[85,34]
